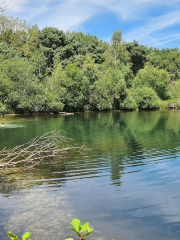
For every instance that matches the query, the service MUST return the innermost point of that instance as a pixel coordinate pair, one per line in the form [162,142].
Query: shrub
[145,98]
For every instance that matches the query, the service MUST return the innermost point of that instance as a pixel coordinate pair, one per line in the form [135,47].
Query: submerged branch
[50,145]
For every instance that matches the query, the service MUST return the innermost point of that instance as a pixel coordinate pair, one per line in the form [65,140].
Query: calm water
[127,184]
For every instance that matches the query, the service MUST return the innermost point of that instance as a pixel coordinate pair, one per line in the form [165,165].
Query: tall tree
[138,54]
[116,41]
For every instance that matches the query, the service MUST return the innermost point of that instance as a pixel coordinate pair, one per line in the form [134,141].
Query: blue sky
[151,22]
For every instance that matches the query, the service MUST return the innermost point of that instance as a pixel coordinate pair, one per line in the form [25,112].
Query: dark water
[127,184]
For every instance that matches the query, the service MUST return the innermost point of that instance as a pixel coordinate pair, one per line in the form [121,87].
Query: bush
[145,98]
[153,78]
[129,102]
[4,109]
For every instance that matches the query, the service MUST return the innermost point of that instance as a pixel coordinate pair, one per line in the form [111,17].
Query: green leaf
[84,227]
[26,235]
[12,236]
[76,224]
[89,231]
[69,239]
[75,231]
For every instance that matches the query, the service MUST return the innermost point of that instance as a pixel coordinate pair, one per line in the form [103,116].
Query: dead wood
[50,145]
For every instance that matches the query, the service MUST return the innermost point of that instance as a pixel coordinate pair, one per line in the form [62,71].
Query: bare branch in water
[50,145]
[4,199]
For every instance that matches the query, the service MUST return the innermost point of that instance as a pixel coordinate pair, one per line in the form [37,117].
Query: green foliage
[116,42]
[39,63]
[90,74]
[153,78]
[25,236]
[20,86]
[174,90]
[167,59]
[51,40]
[7,52]
[74,97]
[145,97]
[55,90]
[80,229]
[138,54]
[108,90]
[14,32]
[129,102]
[32,44]
[50,70]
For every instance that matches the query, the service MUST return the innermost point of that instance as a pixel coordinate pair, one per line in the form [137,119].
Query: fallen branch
[4,199]
[51,145]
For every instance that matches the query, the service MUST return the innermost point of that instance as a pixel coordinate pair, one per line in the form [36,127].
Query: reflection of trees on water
[121,139]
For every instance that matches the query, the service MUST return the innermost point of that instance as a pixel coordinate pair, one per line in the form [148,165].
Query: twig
[30,154]
[8,198]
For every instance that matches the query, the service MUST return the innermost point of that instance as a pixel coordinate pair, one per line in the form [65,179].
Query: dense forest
[50,70]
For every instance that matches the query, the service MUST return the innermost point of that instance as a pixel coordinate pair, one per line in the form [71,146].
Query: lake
[125,183]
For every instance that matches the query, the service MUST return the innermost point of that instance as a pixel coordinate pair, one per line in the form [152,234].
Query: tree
[174,90]
[55,90]
[129,102]
[14,32]
[51,39]
[24,85]
[7,52]
[138,54]
[32,44]
[145,97]
[166,59]
[116,41]
[39,61]
[90,74]
[108,90]
[153,78]
[74,97]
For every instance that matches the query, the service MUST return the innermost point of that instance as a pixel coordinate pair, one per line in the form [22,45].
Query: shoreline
[108,111]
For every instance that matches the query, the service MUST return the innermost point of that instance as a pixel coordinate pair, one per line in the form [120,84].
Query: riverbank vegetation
[50,70]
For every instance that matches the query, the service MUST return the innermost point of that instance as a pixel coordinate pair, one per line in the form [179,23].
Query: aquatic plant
[14,237]
[80,229]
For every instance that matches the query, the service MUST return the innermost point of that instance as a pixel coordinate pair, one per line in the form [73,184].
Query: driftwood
[4,199]
[66,113]
[50,145]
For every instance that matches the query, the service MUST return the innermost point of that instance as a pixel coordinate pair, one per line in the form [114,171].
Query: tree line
[50,70]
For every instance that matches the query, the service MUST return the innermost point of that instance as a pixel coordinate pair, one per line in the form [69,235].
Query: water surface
[126,184]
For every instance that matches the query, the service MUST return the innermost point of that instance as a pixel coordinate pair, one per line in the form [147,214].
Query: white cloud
[72,14]
[28,9]
[170,38]
[145,33]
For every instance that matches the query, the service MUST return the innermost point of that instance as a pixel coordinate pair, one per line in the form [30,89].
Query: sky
[150,22]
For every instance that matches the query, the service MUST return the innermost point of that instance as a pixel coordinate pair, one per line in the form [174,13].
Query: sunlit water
[126,182]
